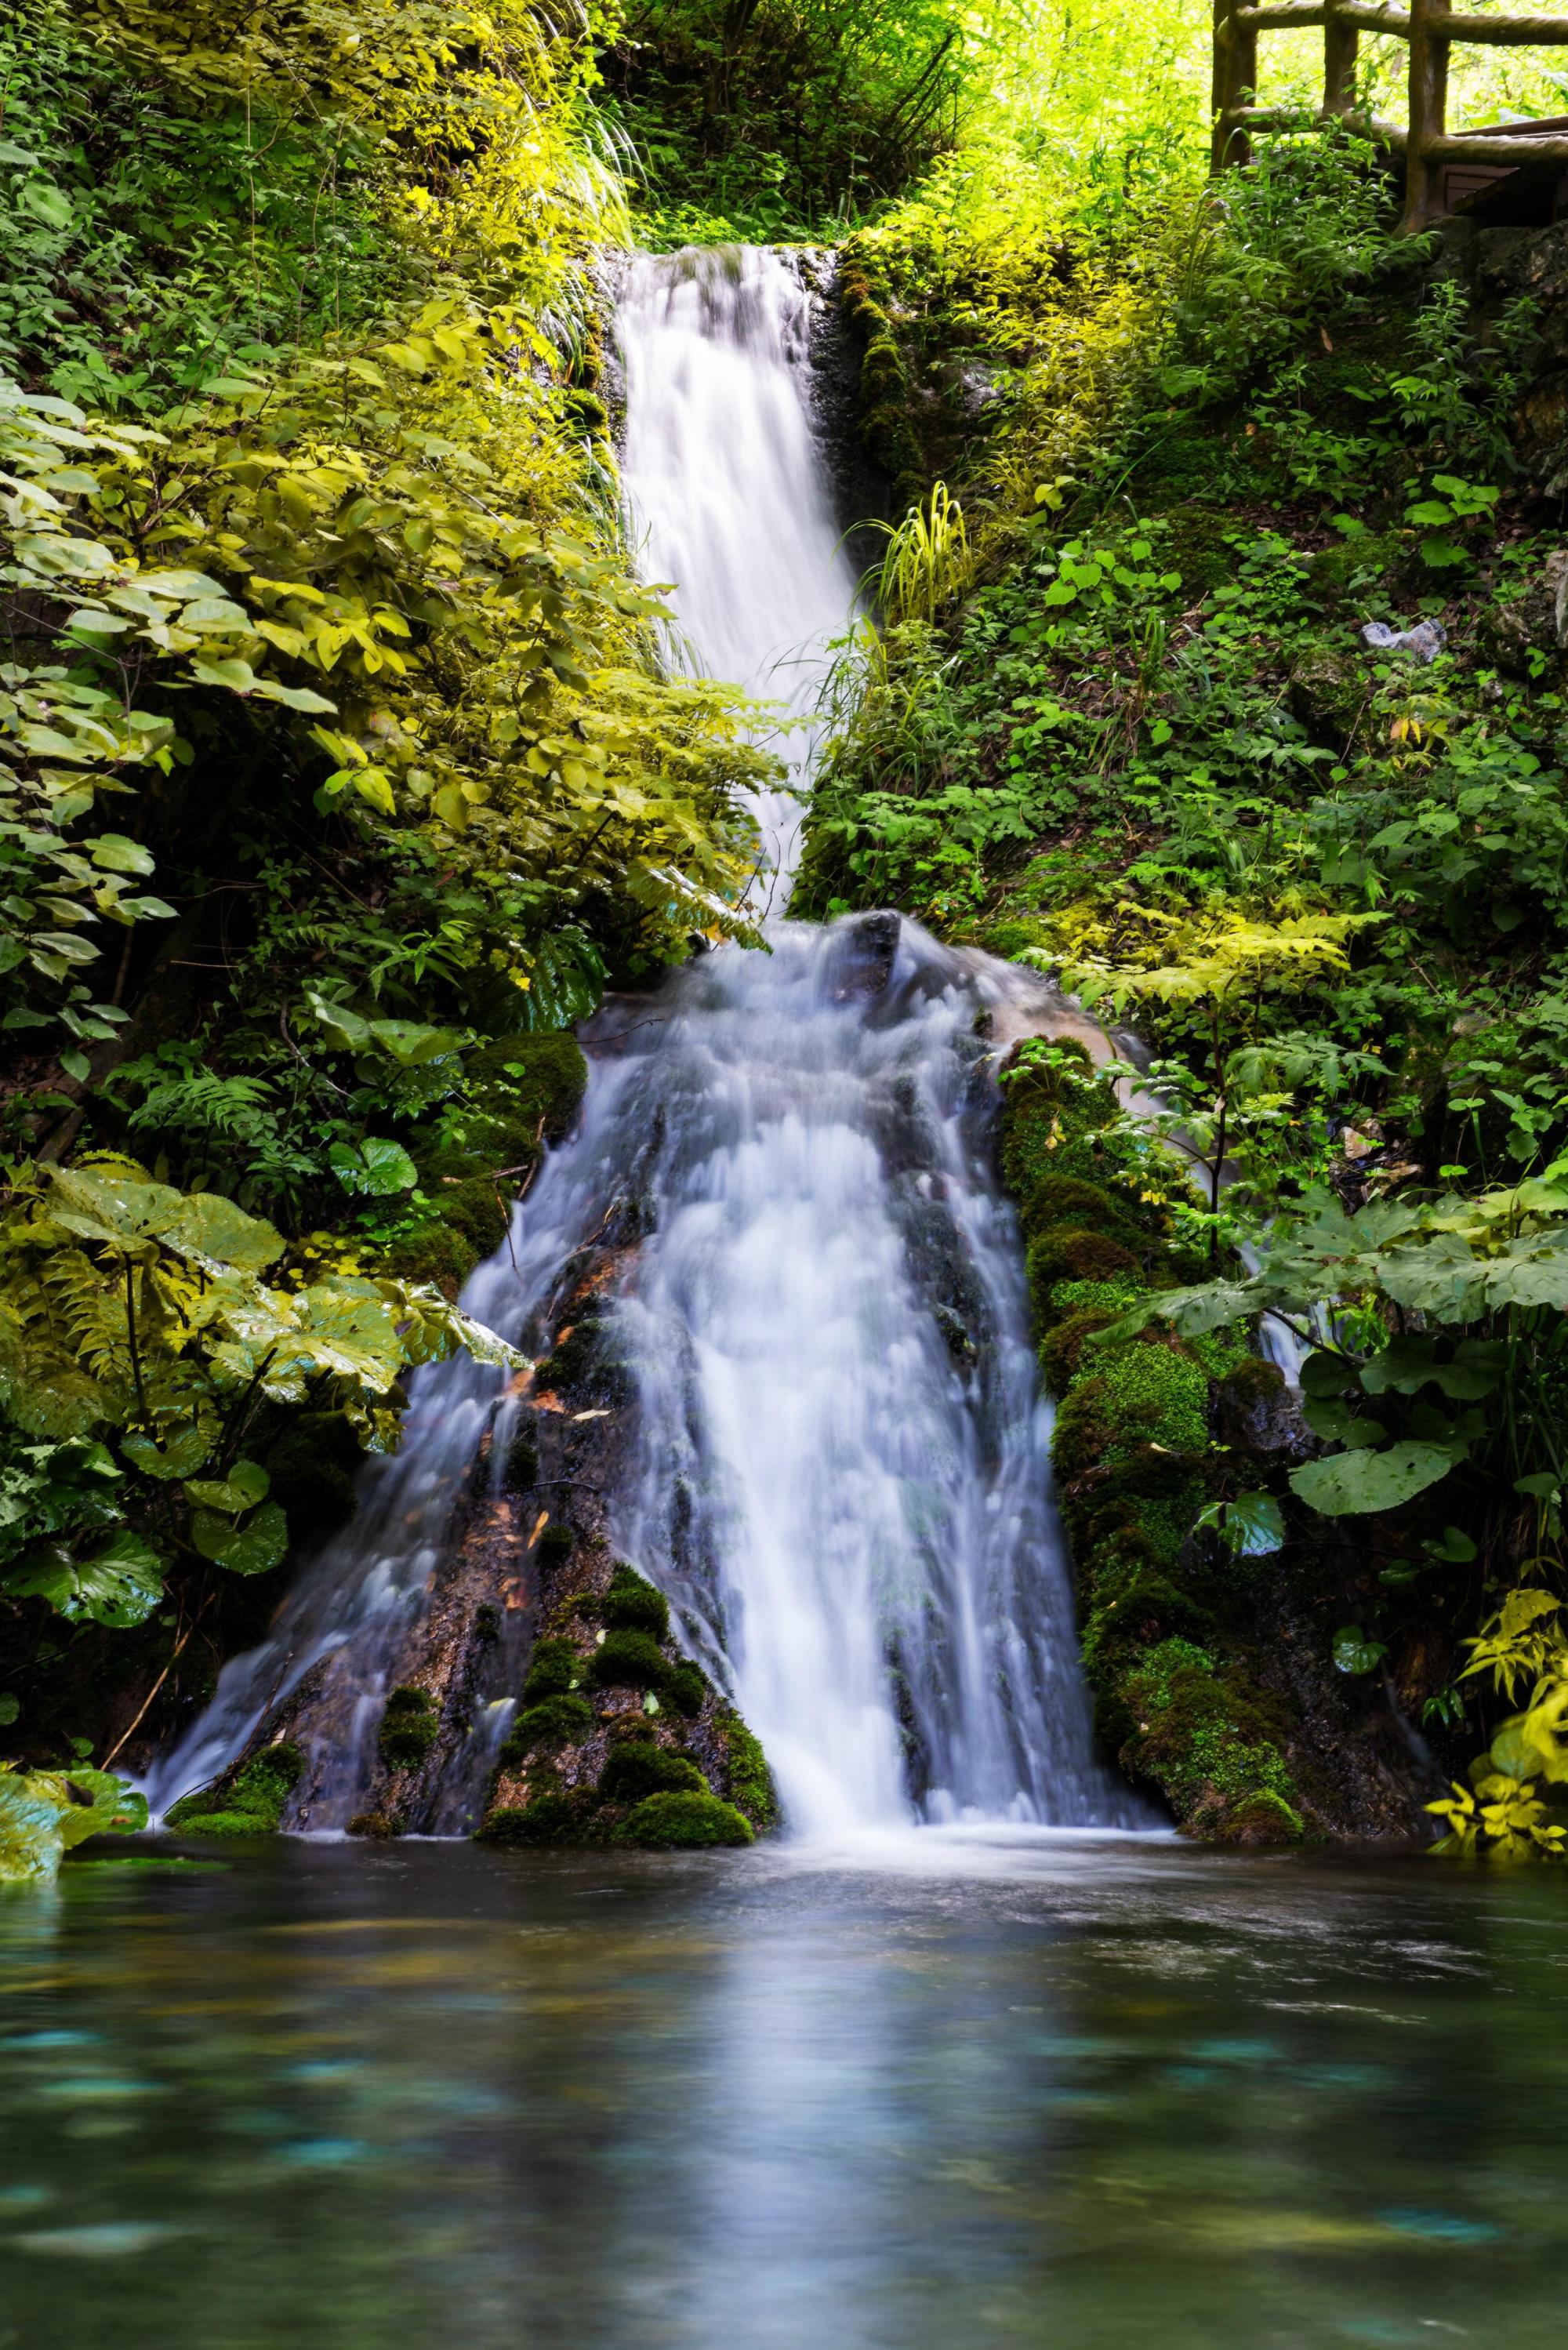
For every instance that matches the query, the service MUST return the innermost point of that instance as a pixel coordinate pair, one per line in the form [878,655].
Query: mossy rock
[249,1802]
[685,1688]
[554,1817]
[554,1546]
[554,1669]
[439,1254]
[1066,1199]
[633,1605]
[749,1783]
[313,1466]
[557,1721]
[684,1822]
[584,1358]
[522,1467]
[1063,1348]
[542,1076]
[409,1728]
[1261,1817]
[1073,1252]
[632,1772]
[474,1211]
[629,1660]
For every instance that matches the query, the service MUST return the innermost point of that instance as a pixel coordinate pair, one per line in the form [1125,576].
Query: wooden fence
[1438,162]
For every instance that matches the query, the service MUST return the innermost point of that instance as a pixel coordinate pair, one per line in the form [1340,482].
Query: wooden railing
[1430,150]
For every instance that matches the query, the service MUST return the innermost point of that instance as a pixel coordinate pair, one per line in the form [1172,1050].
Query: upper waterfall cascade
[840,1474]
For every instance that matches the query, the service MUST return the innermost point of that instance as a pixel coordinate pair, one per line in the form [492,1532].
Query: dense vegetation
[1140,715]
[340,770]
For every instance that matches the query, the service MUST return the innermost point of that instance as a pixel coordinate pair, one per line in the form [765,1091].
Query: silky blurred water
[932,2095]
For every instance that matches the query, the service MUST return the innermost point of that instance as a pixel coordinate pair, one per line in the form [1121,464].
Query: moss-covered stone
[633,1605]
[1174,1697]
[248,1802]
[633,1771]
[685,1688]
[555,1668]
[436,1253]
[629,1660]
[561,1720]
[409,1728]
[749,1784]
[684,1822]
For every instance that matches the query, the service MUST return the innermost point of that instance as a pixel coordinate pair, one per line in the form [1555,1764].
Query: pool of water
[939,2094]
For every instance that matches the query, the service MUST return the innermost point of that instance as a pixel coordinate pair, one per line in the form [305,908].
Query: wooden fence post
[1235,74]
[1428,116]
[1339,48]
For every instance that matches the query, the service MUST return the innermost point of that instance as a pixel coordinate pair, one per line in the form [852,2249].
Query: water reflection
[1084,2097]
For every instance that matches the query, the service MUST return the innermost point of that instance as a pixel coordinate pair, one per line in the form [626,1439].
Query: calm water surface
[1089,2097]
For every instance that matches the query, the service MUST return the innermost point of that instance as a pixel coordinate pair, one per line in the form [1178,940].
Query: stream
[335,2096]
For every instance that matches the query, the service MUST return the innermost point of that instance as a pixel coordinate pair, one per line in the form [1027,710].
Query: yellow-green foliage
[1513,1808]
[44,1815]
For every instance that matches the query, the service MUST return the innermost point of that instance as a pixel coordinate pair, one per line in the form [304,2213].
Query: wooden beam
[1339,42]
[1280,16]
[1372,17]
[1375,127]
[1474,147]
[1428,116]
[1500,32]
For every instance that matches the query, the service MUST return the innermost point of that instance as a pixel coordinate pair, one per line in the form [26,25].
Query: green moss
[554,1817]
[685,1688]
[562,1721]
[540,1076]
[629,1660]
[1068,1200]
[632,1605]
[1062,1350]
[1154,1394]
[1065,1253]
[522,1463]
[555,1668]
[632,1772]
[409,1728]
[249,1802]
[554,1546]
[473,1211]
[749,1783]
[438,1254]
[684,1822]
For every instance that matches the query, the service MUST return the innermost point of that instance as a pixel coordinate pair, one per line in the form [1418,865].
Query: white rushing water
[841,1476]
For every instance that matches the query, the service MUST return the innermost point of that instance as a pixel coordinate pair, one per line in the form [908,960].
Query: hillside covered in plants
[1215,671]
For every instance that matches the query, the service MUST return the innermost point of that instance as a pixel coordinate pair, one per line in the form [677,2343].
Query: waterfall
[840,1473]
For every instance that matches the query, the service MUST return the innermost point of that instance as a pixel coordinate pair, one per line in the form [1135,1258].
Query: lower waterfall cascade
[840,1474]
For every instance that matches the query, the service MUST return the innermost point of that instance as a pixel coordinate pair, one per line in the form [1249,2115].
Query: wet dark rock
[863,953]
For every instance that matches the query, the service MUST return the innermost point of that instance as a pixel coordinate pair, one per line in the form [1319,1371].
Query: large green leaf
[213,1233]
[245,1485]
[374,1168]
[1348,1484]
[179,1452]
[31,1843]
[120,1587]
[254,1548]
